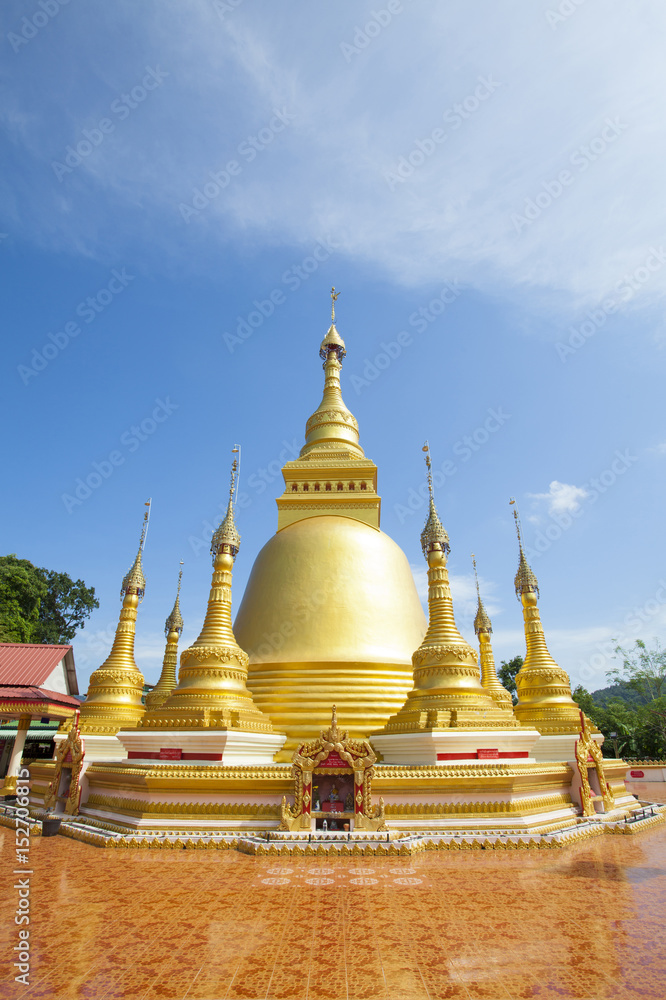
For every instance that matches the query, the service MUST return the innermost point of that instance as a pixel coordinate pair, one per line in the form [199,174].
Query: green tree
[585,701]
[40,605]
[644,671]
[507,675]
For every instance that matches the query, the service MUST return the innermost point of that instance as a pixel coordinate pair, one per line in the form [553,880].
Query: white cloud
[561,498]
[553,96]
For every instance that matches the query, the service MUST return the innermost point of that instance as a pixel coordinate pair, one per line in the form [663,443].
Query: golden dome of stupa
[330,614]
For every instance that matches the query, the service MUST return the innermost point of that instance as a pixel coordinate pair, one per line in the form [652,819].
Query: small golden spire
[334,298]
[173,628]
[134,581]
[434,531]
[227,533]
[525,580]
[543,687]
[483,629]
[482,621]
[174,622]
[114,694]
[447,688]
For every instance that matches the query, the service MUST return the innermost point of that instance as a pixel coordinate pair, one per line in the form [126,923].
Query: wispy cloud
[561,498]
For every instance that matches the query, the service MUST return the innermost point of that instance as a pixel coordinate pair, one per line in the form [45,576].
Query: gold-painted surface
[360,757]
[173,628]
[543,687]
[211,690]
[483,628]
[330,615]
[69,753]
[447,690]
[588,755]
[115,689]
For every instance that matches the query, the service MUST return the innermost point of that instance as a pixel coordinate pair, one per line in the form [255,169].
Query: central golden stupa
[330,614]
[244,742]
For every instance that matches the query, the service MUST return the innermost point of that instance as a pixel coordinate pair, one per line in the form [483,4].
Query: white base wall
[560,748]
[98,747]
[423,747]
[234,746]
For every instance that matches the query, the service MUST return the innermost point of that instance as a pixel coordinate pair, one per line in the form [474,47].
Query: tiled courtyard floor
[585,922]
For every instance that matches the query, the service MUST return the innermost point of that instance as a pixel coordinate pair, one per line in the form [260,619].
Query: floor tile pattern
[586,922]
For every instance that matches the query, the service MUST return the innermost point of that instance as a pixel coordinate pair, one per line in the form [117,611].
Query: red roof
[31,664]
[32,693]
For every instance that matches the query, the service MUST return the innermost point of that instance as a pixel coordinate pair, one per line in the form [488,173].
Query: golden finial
[227,533]
[434,531]
[174,622]
[525,579]
[334,298]
[134,579]
[482,621]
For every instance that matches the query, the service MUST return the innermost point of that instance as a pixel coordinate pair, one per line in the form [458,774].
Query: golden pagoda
[448,715]
[330,614]
[173,629]
[483,629]
[210,714]
[246,744]
[114,694]
[543,687]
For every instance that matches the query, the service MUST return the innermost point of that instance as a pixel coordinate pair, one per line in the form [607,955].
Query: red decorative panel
[487,754]
[637,774]
[170,753]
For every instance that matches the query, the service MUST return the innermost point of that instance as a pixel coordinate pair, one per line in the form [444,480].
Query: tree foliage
[40,605]
[636,712]
[507,675]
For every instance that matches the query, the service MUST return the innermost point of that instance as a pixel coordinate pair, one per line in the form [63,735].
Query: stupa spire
[483,629]
[332,427]
[211,690]
[115,690]
[447,688]
[543,687]
[173,628]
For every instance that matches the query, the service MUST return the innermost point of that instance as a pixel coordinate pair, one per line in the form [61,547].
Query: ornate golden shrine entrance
[333,784]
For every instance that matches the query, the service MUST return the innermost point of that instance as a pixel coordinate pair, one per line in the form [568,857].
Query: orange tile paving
[585,922]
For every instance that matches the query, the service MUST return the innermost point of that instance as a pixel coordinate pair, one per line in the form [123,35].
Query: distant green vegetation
[41,605]
[634,707]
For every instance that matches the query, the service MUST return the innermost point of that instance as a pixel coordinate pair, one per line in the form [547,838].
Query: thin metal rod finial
[334,297]
[476,576]
[144,526]
[428,461]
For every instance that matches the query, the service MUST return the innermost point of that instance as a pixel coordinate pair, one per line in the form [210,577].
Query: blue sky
[483,183]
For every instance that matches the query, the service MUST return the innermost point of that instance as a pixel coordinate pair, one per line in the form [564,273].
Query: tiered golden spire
[332,425]
[173,629]
[483,629]
[447,690]
[211,690]
[115,690]
[331,464]
[544,689]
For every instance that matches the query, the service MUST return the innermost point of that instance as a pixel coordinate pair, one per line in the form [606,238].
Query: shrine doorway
[333,799]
